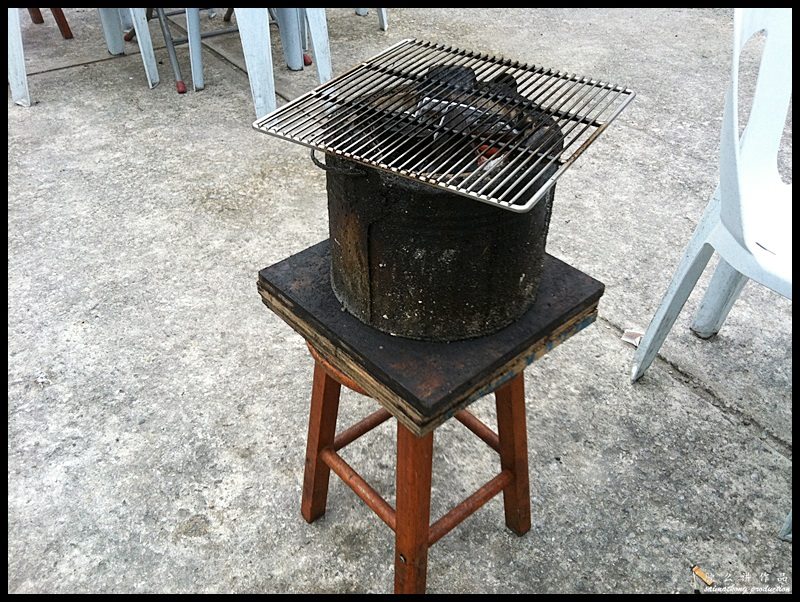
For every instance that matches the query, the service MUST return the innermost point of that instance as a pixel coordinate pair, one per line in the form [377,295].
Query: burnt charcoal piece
[504,83]
[453,75]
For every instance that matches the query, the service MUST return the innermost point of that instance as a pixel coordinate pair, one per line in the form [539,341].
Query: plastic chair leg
[318,26]
[694,261]
[383,16]
[289,24]
[786,531]
[145,45]
[127,22]
[112,30]
[724,289]
[304,31]
[17,77]
[195,47]
[254,33]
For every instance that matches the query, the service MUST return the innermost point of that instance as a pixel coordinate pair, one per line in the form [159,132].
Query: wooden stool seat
[421,384]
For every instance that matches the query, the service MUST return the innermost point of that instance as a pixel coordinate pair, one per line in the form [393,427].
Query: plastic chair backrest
[754,156]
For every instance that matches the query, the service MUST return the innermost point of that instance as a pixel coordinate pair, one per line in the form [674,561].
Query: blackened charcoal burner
[441,167]
[425,263]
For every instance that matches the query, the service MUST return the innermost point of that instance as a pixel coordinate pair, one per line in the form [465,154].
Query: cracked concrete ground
[157,410]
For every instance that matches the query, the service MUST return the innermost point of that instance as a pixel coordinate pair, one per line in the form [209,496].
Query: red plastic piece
[180,86]
[307,59]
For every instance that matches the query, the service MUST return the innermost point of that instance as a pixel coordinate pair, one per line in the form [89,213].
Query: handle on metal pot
[359,173]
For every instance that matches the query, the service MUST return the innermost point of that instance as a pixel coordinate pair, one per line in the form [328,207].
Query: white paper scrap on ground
[632,336]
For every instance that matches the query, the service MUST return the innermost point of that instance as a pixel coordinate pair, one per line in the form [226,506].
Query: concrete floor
[157,410]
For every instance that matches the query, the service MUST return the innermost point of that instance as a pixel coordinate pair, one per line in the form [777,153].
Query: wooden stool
[421,384]
[410,521]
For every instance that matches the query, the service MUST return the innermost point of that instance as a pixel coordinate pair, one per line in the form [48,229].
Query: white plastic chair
[112,29]
[253,25]
[748,220]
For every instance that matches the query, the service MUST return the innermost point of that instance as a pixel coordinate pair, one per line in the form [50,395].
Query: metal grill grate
[486,128]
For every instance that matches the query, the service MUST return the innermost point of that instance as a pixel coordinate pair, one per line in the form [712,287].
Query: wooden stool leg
[36,16]
[414,464]
[513,434]
[321,432]
[61,21]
